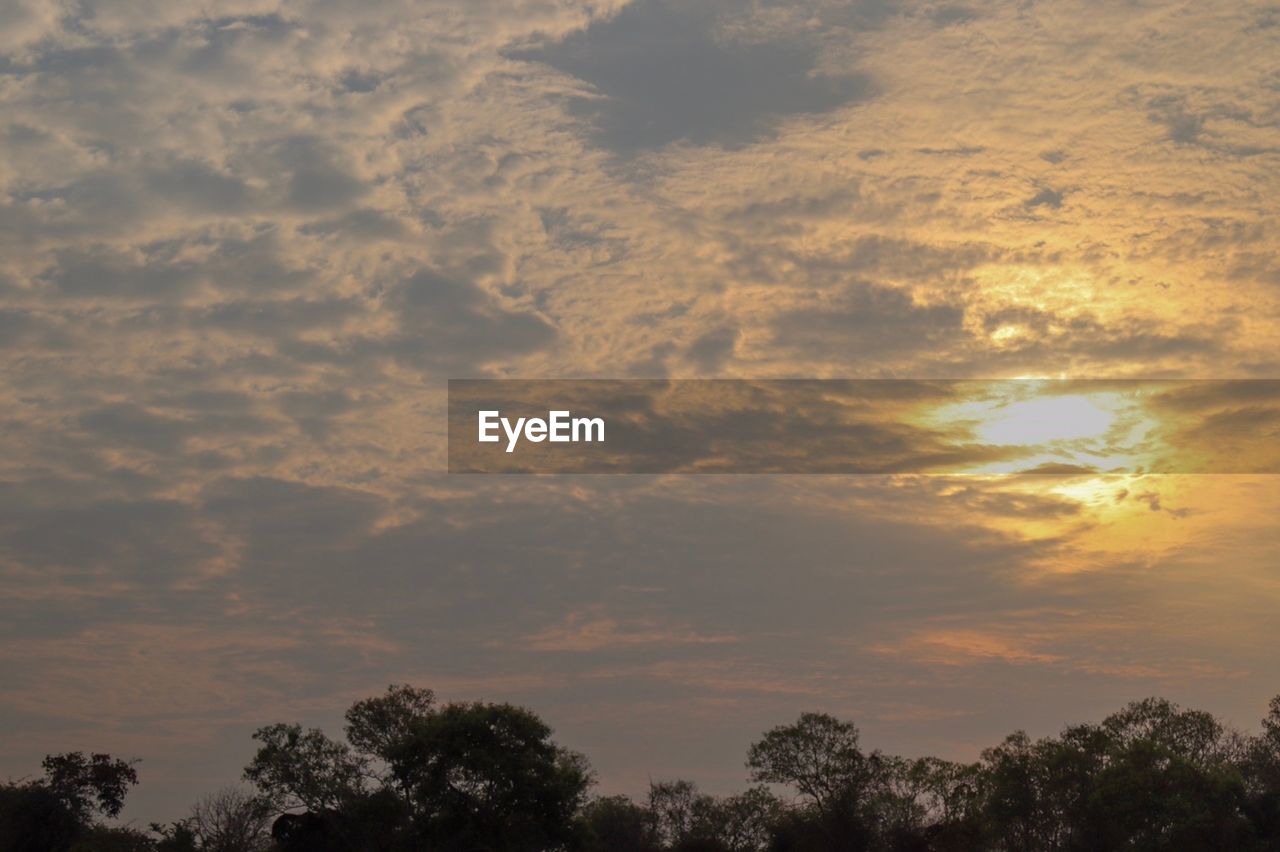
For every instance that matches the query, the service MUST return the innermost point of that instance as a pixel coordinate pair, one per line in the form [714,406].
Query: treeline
[415,774]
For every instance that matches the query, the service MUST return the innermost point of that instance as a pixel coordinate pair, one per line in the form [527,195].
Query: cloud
[592,632]
[712,350]
[868,320]
[660,72]
[965,647]
[245,243]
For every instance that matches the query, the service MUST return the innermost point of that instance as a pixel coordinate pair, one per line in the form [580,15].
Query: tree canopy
[412,773]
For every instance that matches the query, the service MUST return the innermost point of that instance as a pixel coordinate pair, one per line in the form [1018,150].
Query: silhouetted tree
[377,726]
[1261,763]
[296,768]
[617,824]
[1151,776]
[175,837]
[488,776]
[680,813]
[231,820]
[55,813]
[819,756]
[458,776]
[35,819]
[950,796]
[416,775]
[100,838]
[87,784]
[744,821]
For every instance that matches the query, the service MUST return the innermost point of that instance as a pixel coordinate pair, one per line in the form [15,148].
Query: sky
[244,244]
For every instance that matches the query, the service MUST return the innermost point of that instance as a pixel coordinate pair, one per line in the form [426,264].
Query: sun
[1038,425]
[1046,420]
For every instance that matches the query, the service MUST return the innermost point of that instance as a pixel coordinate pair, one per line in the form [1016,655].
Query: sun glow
[1048,419]
[1040,426]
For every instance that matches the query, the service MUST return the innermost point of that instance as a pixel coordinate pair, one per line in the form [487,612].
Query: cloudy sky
[244,244]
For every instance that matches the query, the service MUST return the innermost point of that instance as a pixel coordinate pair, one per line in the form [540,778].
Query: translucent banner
[864,426]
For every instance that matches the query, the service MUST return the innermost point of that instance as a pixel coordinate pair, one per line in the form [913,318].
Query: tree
[55,813]
[101,838]
[686,819]
[1151,776]
[304,769]
[34,819]
[1154,776]
[818,755]
[231,820]
[1261,763]
[744,821]
[949,796]
[1192,734]
[413,774]
[175,837]
[1150,798]
[96,783]
[679,811]
[1017,808]
[488,776]
[377,726]
[617,824]
[475,777]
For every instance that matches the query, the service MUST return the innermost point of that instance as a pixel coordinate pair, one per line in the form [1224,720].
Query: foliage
[489,776]
[296,768]
[818,755]
[56,812]
[101,838]
[617,824]
[377,726]
[35,819]
[414,774]
[87,784]
[231,820]
[457,776]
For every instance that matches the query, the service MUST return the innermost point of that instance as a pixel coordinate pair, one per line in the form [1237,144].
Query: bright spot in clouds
[1047,420]
[1103,430]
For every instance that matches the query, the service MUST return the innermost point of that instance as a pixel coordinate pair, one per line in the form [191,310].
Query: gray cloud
[868,319]
[663,74]
[712,350]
